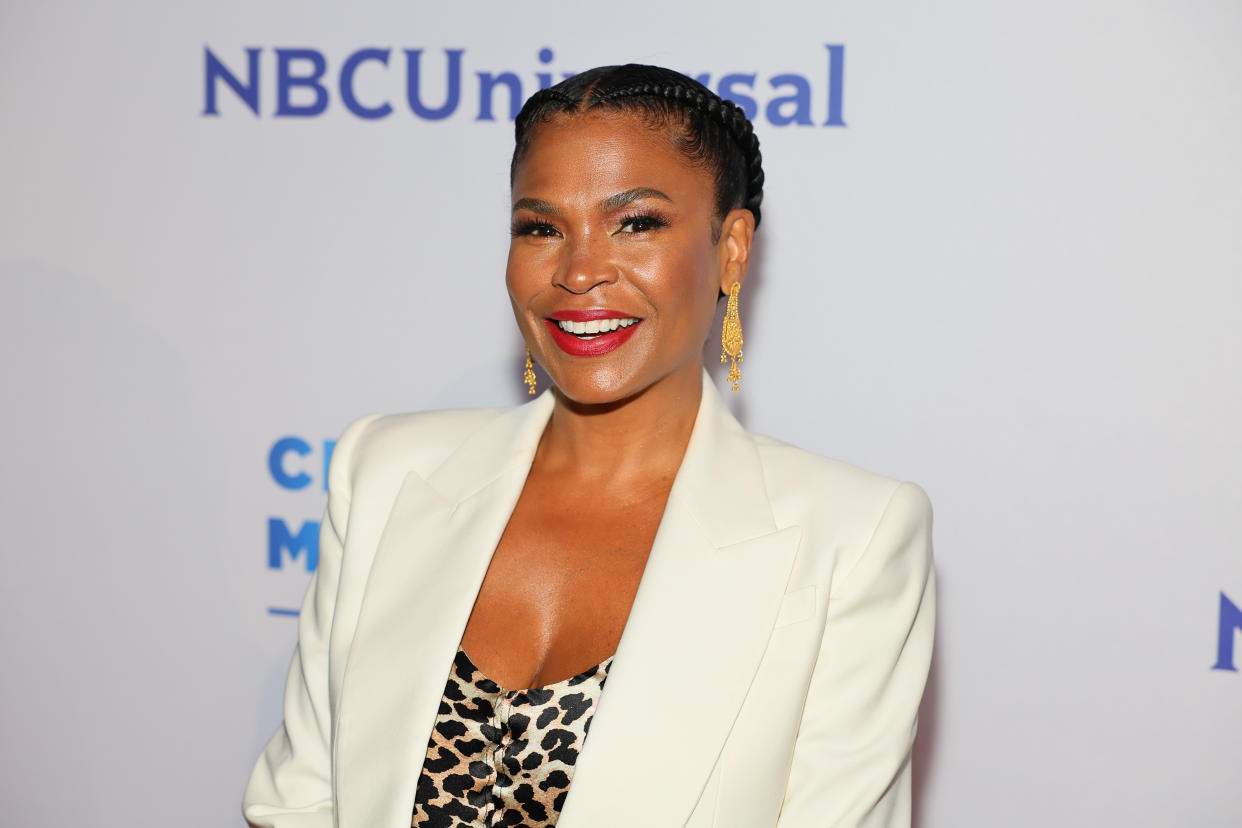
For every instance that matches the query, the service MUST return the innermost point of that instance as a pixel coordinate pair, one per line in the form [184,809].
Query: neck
[640,438]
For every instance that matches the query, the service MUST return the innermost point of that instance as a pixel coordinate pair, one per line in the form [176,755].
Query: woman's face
[613,271]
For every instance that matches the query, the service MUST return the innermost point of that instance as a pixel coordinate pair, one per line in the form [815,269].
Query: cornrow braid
[541,106]
[712,132]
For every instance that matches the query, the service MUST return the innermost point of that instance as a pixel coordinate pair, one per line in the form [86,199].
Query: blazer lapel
[427,570]
[698,628]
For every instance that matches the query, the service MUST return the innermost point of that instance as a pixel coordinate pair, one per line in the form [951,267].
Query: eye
[533,227]
[641,223]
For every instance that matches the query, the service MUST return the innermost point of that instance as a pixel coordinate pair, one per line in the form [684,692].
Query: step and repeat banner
[1001,256]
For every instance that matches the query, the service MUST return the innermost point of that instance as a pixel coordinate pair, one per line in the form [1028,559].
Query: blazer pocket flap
[798,605]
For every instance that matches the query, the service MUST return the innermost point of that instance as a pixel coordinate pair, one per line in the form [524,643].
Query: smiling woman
[762,617]
[594,239]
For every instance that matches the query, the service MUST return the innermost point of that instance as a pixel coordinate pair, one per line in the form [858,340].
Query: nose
[586,265]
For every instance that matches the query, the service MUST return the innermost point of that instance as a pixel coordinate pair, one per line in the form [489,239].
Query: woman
[762,616]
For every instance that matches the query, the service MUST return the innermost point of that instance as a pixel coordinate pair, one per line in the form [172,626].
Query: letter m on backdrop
[281,540]
[1230,623]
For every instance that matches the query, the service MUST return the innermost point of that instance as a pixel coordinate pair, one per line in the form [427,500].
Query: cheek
[686,286]
[518,276]
[510,266]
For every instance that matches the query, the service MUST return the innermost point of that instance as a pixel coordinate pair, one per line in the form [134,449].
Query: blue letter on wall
[286,81]
[413,89]
[1230,622]
[347,84]
[276,462]
[328,447]
[836,83]
[216,71]
[280,539]
[487,86]
[800,97]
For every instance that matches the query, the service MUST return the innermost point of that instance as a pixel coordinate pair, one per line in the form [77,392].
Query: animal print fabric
[501,757]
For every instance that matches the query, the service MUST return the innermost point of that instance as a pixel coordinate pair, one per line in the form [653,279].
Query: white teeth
[595,326]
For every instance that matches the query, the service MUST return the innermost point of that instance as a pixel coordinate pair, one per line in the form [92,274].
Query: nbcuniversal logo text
[440,84]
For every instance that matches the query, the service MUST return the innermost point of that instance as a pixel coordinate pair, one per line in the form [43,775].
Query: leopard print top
[503,758]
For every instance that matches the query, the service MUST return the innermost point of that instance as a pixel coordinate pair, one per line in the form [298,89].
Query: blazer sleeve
[851,763]
[291,785]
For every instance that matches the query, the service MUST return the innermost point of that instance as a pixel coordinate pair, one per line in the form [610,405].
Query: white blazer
[769,674]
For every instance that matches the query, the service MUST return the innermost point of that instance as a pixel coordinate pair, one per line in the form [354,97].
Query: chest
[559,587]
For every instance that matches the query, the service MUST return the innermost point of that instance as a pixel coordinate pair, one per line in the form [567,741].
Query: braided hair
[708,130]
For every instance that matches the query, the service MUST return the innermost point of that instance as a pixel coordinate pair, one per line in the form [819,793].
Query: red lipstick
[598,344]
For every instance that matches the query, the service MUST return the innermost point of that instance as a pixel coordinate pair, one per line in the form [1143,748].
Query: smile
[590,333]
[595,327]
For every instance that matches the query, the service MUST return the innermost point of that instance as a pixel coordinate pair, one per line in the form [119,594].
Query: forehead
[607,150]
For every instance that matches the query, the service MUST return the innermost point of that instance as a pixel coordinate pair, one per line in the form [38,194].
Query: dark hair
[712,132]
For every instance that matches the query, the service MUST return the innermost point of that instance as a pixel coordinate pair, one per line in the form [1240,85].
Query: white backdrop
[1012,276]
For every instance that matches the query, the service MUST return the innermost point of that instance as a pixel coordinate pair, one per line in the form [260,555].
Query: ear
[737,232]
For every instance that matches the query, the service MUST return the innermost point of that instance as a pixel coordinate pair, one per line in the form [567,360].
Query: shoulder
[835,502]
[794,474]
[385,446]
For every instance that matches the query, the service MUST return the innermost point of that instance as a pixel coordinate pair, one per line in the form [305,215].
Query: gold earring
[529,376]
[731,336]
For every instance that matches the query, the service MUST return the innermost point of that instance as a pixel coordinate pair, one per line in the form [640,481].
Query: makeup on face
[591,332]
[614,270]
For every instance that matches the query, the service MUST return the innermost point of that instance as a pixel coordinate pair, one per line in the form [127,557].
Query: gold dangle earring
[731,336]
[528,376]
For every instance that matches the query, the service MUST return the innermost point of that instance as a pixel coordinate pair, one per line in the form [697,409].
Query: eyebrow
[628,197]
[608,205]
[537,206]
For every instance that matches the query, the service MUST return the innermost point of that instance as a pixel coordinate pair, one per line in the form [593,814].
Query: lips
[592,332]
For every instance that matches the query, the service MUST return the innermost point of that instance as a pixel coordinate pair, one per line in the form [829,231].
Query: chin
[615,383]
[596,388]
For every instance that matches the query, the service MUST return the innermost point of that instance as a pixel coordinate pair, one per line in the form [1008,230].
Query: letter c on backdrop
[276,462]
